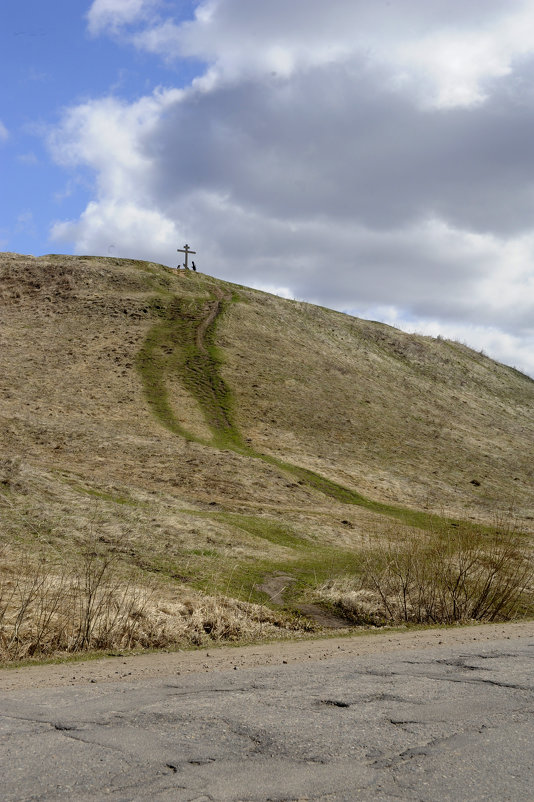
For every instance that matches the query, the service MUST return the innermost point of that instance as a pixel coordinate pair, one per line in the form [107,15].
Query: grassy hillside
[219,441]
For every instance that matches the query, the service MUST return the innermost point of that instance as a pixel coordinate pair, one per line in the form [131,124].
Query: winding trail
[178,345]
[214,309]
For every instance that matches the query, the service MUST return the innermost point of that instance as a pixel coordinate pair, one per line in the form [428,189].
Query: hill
[234,443]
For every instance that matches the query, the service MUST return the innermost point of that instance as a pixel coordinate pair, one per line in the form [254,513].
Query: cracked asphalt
[449,722]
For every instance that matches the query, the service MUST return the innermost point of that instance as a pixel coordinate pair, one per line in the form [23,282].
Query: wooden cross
[186,249]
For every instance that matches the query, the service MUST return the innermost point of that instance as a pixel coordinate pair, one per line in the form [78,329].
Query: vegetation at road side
[50,607]
[442,579]
[98,601]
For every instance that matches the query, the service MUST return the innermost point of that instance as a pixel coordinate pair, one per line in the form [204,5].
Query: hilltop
[227,440]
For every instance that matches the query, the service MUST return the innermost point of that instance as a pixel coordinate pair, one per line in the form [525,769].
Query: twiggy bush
[47,609]
[451,578]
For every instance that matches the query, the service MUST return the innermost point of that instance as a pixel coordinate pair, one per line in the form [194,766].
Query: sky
[372,156]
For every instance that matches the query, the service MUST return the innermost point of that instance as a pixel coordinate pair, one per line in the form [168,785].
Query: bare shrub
[460,576]
[47,607]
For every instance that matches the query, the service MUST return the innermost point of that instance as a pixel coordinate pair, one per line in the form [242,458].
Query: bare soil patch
[276,585]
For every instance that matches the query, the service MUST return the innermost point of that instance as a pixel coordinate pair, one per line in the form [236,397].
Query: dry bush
[451,578]
[48,608]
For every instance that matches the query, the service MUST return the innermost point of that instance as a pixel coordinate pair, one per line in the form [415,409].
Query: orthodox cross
[186,249]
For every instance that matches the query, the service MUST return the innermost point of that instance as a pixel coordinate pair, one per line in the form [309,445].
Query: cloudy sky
[374,156]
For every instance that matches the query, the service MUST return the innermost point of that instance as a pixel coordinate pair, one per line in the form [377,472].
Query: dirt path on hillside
[214,308]
[226,658]
[275,586]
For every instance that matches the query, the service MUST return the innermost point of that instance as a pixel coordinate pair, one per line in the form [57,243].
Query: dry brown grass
[399,418]
[52,607]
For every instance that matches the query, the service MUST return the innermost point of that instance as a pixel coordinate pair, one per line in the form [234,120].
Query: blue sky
[372,156]
[50,61]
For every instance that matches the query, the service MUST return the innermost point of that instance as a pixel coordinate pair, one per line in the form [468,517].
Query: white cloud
[360,155]
[446,59]
[454,66]
[109,137]
[127,229]
[443,59]
[4,133]
[108,16]
[282,292]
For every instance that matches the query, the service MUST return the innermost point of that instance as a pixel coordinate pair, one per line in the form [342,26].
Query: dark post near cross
[187,250]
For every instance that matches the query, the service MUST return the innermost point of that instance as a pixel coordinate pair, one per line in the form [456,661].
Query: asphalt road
[447,723]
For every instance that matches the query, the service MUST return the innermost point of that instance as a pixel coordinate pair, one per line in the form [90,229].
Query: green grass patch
[308,562]
[173,347]
[205,552]
[200,369]
[269,530]
[153,362]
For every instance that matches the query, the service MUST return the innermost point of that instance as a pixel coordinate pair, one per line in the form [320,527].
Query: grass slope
[197,362]
[209,435]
